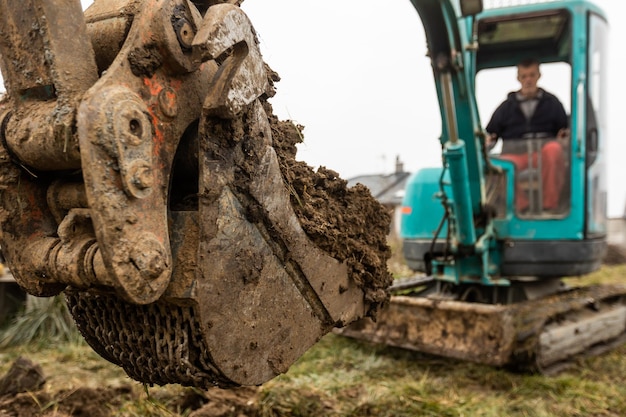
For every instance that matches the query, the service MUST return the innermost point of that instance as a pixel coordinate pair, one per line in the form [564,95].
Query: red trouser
[552,174]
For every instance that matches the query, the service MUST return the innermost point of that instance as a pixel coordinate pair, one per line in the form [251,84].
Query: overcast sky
[354,73]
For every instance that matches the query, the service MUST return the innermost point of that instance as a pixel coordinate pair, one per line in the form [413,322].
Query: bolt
[149,258]
[131,124]
[167,102]
[185,32]
[143,177]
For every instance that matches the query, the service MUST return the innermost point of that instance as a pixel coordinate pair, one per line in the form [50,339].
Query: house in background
[388,189]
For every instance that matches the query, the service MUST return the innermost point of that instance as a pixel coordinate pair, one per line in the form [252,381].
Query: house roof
[386,188]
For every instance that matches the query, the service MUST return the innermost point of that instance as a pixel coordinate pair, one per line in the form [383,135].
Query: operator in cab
[532,113]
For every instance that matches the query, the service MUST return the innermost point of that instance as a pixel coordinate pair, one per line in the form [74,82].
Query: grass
[344,377]
[613,274]
[341,377]
[44,320]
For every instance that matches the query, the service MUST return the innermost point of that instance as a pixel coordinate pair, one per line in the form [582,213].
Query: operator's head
[528,74]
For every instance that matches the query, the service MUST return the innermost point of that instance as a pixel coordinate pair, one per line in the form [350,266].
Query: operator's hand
[490,140]
[562,136]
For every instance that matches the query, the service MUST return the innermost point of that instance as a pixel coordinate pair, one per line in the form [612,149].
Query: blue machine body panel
[421,221]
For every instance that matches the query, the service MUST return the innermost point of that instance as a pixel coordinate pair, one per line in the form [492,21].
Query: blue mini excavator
[491,291]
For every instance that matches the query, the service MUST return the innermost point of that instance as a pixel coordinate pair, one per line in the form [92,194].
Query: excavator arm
[141,175]
[448,26]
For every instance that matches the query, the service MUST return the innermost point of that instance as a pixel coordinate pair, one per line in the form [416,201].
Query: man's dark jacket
[509,122]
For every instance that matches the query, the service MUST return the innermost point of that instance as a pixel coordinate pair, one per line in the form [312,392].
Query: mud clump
[145,61]
[23,376]
[347,223]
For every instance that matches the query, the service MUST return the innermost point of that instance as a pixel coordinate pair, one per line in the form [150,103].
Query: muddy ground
[112,401]
[94,388]
[102,402]
[80,402]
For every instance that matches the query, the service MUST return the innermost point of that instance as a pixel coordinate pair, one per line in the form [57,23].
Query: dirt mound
[23,376]
[22,395]
[347,223]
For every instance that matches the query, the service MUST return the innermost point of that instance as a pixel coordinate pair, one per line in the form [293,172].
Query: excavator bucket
[144,175]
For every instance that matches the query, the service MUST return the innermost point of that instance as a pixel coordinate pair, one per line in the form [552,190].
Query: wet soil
[346,222]
[35,395]
[109,401]
[87,402]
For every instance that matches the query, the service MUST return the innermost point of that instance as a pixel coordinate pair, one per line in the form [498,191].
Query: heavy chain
[159,343]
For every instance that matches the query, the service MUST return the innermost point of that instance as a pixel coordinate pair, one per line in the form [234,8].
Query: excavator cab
[568,38]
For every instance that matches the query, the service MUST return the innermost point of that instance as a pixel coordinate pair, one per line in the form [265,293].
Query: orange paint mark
[406,210]
[175,84]
[160,90]
[170,95]
[153,84]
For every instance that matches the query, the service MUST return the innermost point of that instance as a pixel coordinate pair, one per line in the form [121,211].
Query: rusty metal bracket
[129,125]
[101,144]
[41,44]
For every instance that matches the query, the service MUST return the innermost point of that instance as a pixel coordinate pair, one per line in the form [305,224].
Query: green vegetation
[340,377]
[44,320]
[343,377]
